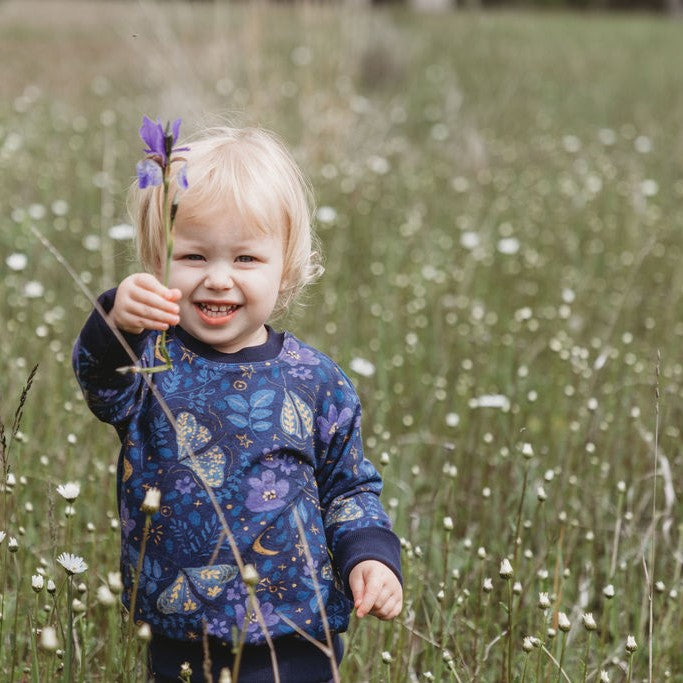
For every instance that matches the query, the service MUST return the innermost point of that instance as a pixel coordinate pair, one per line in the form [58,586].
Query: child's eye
[193,257]
[245,258]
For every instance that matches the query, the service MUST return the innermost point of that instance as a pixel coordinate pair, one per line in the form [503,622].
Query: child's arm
[376,590]
[143,303]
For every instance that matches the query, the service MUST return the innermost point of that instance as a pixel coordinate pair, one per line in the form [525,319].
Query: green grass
[441,142]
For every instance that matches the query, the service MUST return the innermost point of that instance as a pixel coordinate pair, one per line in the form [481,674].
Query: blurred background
[499,196]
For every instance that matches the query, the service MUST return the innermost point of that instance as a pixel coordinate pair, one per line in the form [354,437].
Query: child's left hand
[376,590]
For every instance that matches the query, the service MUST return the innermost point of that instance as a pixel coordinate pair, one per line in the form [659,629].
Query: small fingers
[372,591]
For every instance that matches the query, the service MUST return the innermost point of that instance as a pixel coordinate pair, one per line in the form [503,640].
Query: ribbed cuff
[371,543]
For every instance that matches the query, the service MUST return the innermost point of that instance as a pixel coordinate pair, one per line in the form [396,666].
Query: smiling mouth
[216,310]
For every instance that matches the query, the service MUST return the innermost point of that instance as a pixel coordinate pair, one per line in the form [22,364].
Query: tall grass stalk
[650,639]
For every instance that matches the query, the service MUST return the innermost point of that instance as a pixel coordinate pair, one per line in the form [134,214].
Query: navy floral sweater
[272,430]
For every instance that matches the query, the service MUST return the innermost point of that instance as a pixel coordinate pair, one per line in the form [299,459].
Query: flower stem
[69,634]
[559,668]
[509,648]
[134,593]
[585,660]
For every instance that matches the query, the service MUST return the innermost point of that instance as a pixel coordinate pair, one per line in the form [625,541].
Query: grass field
[500,204]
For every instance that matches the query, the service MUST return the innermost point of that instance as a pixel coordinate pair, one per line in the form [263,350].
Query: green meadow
[500,208]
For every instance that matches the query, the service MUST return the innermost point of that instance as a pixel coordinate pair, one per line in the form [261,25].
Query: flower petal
[148,173]
[152,135]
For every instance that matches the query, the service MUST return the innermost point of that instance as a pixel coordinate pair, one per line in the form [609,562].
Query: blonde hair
[251,169]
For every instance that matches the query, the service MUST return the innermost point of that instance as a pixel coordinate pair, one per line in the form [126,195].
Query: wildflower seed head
[69,491]
[660,587]
[589,622]
[563,622]
[505,571]
[48,639]
[384,459]
[145,633]
[250,575]
[51,588]
[631,645]
[37,582]
[114,582]
[441,595]
[150,505]
[527,451]
[621,486]
[448,523]
[386,657]
[72,563]
[517,588]
[527,644]
[541,495]
[105,596]
[487,585]
[543,601]
[77,606]
[608,591]
[12,544]
[481,553]
[551,632]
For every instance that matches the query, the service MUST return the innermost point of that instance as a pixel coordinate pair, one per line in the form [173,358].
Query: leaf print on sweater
[209,465]
[252,414]
[296,418]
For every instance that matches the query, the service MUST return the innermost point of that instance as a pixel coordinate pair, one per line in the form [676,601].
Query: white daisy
[72,563]
[69,491]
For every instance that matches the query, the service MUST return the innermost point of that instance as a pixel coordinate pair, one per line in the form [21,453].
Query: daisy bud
[487,586]
[114,581]
[77,606]
[384,459]
[543,601]
[386,657]
[589,622]
[608,591]
[145,632]
[150,505]
[37,583]
[527,644]
[250,575]
[225,676]
[631,645]
[448,523]
[48,639]
[517,587]
[440,596]
[481,553]
[505,571]
[105,596]
[604,676]
[541,495]
[12,544]
[660,587]
[185,671]
[527,451]
[551,633]
[51,588]
[563,622]
[69,511]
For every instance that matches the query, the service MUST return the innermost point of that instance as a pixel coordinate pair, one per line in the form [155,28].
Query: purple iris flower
[266,493]
[294,354]
[334,421]
[158,140]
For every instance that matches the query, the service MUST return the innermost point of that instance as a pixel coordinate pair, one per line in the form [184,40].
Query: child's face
[230,276]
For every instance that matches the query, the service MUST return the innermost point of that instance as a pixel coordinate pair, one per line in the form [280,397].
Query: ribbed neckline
[269,350]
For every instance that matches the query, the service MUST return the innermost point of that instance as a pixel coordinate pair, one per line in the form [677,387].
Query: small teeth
[220,309]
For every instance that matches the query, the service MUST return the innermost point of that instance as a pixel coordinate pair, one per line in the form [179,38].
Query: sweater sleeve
[96,356]
[356,525]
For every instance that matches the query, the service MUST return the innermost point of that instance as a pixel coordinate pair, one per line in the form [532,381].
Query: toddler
[269,424]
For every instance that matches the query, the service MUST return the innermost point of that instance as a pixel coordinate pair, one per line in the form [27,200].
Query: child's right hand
[143,303]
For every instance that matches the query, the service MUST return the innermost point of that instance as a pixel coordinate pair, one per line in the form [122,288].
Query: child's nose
[219,277]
